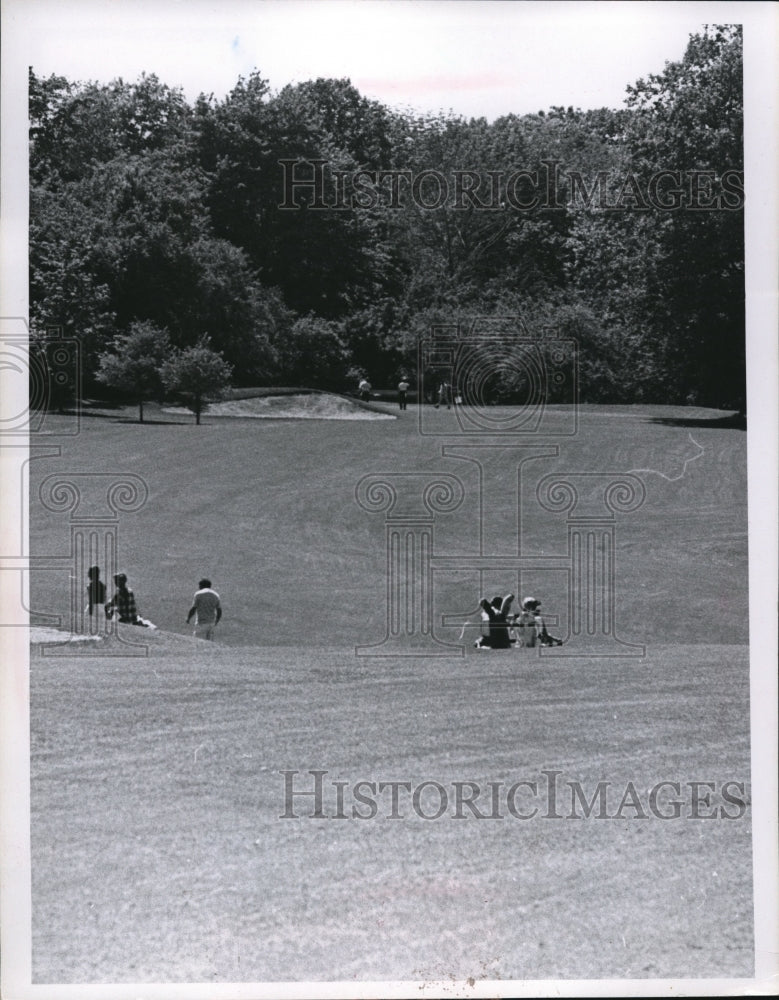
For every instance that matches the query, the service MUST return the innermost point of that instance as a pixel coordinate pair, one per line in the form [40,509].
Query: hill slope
[267,510]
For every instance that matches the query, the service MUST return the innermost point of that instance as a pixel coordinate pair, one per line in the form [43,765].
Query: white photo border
[761,86]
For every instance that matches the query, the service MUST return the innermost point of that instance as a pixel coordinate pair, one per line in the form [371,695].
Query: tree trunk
[197,410]
[140,410]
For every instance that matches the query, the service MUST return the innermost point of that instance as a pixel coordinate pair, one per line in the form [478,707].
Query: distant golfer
[402,391]
[207,610]
[364,389]
[444,395]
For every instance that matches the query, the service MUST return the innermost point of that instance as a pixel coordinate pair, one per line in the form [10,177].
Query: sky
[474,57]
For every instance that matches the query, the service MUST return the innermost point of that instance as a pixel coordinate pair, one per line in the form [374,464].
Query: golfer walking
[207,610]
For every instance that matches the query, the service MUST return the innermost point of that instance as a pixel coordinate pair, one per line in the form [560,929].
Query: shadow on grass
[146,421]
[114,419]
[100,404]
[732,421]
[117,415]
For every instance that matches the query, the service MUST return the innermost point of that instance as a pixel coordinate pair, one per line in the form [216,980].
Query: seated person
[531,627]
[496,613]
[525,626]
[122,604]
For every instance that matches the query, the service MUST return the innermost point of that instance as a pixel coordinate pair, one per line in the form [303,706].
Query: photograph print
[387,604]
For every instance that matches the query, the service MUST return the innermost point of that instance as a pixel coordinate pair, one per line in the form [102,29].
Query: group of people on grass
[527,628]
[206,608]
[443,395]
[364,389]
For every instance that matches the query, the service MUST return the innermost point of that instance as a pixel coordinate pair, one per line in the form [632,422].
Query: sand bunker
[43,634]
[302,406]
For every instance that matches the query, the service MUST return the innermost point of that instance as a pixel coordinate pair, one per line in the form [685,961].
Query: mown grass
[267,510]
[159,853]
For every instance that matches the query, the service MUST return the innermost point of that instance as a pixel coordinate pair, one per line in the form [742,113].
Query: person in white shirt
[444,395]
[207,610]
[525,625]
[530,627]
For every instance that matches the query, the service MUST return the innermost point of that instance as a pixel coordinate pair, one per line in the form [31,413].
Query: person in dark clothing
[496,612]
[95,591]
[96,602]
[122,604]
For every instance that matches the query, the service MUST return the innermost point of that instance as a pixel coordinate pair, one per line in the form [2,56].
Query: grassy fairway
[158,848]
[158,851]
[267,510]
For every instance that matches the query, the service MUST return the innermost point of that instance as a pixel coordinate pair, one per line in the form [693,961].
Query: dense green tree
[75,127]
[314,354]
[501,221]
[145,211]
[133,363]
[196,375]
[672,278]
[343,120]
[689,119]
[132,242]
[257,149]
[68,290]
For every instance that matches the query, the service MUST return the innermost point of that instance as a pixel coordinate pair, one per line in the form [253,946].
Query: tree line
[160,228]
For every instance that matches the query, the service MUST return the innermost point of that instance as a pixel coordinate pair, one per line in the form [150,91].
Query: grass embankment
[267,510]
[158,851]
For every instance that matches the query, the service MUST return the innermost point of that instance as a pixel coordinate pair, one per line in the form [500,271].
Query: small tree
[196,374]
[134,362]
